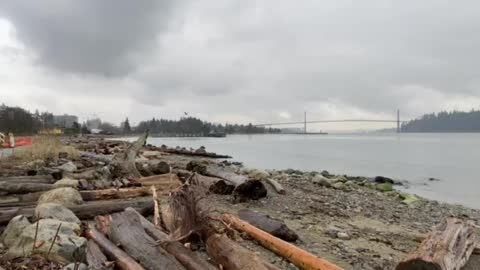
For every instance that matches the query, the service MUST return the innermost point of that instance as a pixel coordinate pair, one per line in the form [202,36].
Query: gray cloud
[91,37]
[263,60]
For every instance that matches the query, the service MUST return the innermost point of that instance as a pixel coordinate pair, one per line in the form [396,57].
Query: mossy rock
[408,198]
[385,187]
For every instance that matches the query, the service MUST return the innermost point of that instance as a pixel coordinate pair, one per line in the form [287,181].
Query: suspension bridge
[305,122]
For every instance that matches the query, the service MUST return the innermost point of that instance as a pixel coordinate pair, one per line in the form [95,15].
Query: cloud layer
[241,60]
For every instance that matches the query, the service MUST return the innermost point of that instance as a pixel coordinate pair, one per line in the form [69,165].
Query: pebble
[343,236]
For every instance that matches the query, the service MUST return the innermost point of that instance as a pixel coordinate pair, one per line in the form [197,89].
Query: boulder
[259,175]
[339,185]
[201,150]
[68,246]
[322,181]
[408,198]
[13,230]
[68,167]
[341,178]
[66,182]
[197,166]
[66,196]
[55,211]
[382,179]
[385,187]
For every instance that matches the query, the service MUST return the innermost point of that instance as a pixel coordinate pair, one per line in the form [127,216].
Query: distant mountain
[445,122]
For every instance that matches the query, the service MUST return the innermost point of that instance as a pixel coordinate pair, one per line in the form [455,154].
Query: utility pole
[305,122]
[398,121]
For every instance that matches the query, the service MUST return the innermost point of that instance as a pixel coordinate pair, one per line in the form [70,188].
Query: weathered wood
[123,164]
[122,260]
[109,194]
[447,247]
[245,188]
[162,181]
[152,167]
[88,210]
[22,188]
[230,255]
[126,229]
[41,179]
[192,153]
[266,223]
[190,260]
[20,199]
[96,260]
[294,254]
[276,186]
[97,157]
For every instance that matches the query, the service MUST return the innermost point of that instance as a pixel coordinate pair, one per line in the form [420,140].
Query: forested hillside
[445,122]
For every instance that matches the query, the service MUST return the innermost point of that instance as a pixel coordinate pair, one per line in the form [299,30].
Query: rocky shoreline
[353,222]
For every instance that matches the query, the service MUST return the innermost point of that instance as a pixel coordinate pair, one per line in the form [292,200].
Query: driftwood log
[123,164]
[294,254]
[95,258]
[447,247]
[125,229]
[266,223]
[41,179]
[88,210]
[187,213]
[162,181]
[186,152]
[122,260]
[276,186]
[97,157]
[245,188]
[23,188]
[186,257]
[212,184]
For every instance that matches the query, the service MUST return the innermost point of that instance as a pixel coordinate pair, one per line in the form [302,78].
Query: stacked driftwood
[124,183]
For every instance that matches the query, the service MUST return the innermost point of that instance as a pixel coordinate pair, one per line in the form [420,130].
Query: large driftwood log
[187,213]
[277,186]
[212,184]
[245,188]
[88,210]
[122,260]
[266,223]
[95,258]
[41,179]
[126,229]
[186,152]
[162,181]
[447,247]
[123,164]
[294,254]
[97,157]
[186,257]
[22,188]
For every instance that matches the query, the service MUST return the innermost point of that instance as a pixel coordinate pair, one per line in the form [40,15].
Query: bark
[40,179]
[189,259]
[272,226]
[245,188]
[96,260]
[88,210]
[22,188]
[126,229]
[294,254]
[124,163]
[277,186]
[122,260]
[447,247]
[109,194]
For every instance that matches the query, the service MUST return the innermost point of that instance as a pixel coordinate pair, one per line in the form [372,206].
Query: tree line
[454,121]
[21,121]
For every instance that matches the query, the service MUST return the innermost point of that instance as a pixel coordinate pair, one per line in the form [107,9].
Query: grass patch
[45,148]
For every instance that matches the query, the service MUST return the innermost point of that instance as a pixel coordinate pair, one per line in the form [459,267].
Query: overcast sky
[240,61]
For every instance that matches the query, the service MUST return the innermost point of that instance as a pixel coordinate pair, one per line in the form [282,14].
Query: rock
[161,167]
[14,228]
[36,164]
[197,166]
[339,185]
[382,179]
[71,266]
[55,211]
[408,198]
[201,150]
[66,182]
[62,155]
[66,196]
[259,175]
[68,167]
[341,178]
[343,236]
[433,179]
[385,187]
[349,183]
[68,246]
[322,181]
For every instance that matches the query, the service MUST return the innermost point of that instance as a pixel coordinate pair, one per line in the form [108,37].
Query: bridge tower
[305,122]
[398,121]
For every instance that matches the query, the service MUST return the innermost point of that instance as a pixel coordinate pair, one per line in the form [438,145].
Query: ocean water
[453,158]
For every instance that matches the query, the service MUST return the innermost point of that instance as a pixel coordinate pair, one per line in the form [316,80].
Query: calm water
[452,158]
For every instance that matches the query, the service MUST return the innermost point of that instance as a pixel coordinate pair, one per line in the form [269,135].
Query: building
[65,121]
